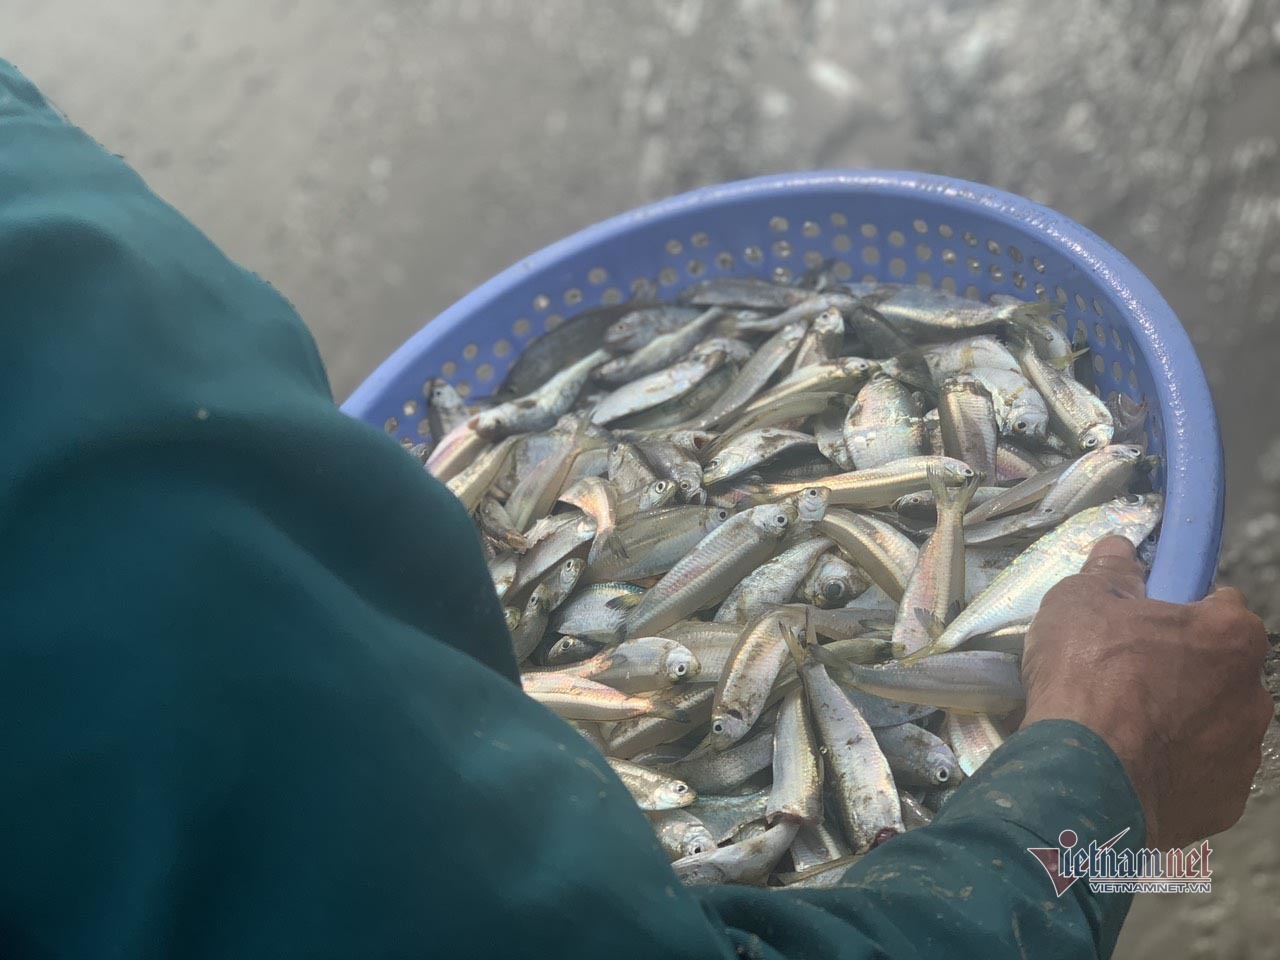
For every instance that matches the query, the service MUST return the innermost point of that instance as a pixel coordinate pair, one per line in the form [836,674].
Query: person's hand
[1176,690]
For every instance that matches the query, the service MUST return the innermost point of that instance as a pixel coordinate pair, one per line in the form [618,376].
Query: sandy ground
[375,159]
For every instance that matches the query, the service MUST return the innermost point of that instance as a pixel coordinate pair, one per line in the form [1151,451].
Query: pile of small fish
[773,548]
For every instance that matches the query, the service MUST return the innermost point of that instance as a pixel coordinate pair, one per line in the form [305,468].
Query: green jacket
[256,697]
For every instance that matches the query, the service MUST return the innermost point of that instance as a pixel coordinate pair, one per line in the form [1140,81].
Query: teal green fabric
[255,694]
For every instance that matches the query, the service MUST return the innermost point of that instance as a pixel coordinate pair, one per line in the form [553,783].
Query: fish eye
[1021,426]
[722,514]
[715,462]
[1091,442]
[942,776]
[680,787]
[681,669]
[966,472]
[697,847]
[661,486]
[686,484]
[833,590]
[1134,451]
[1131,499]
[780,519]
[718,727]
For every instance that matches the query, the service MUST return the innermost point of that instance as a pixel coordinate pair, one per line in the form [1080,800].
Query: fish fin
[799,649]
[1067,362]
[877,626]
[826,658]
[668,712]
[950,495]
[627,601]
[932,625]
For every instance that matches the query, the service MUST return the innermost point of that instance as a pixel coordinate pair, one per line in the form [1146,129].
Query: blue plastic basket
[877,225]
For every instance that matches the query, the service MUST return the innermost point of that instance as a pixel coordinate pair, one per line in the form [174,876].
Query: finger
[1228,595]
[1115,561]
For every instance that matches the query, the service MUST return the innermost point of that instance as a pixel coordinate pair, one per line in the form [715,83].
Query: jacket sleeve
[257,694]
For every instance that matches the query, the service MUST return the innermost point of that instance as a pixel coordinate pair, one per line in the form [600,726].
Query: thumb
[1114,561]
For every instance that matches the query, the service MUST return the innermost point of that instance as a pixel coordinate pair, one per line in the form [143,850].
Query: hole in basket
[869,230]
[391,425]
[699,239]
[896,239]
[410,408]
[781,248]
[424,427]
[1019,280]
[993,248]
[778,224]
[973,265]
[810,229]
[898,267]
[1097,307]
[1132,358]
[573,296]
[1061,321]
[812,259]
[1080,302]
[871,255]
[1100,334]
[1082,333]
[484,372]
[502,348]
[782,274]
[944,230]
[1133,379]
[1042,292]
[554,320]
[923,251]
[724,260]
[972,292]
[919,226]
[520,328]
[449,368]
[1117,371]
[842,270]
[641,287]
[674,247]
[1115,339]
[839,220]
[841,242]
[469,351]
[1015,254]
[997,274]
[948,255]
[1062,294]
[970,238]
[611,296]
[463,388]
[695,268]
[407,443]
[541,302]
[667,276]
[753,254]
[948,284]
[1037,264]
[1098,363]
[923,279]
[597,276]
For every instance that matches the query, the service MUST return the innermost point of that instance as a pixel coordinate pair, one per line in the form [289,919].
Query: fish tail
[953,497]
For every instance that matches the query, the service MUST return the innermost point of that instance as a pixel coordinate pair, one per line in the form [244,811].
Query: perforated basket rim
[1187,555]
